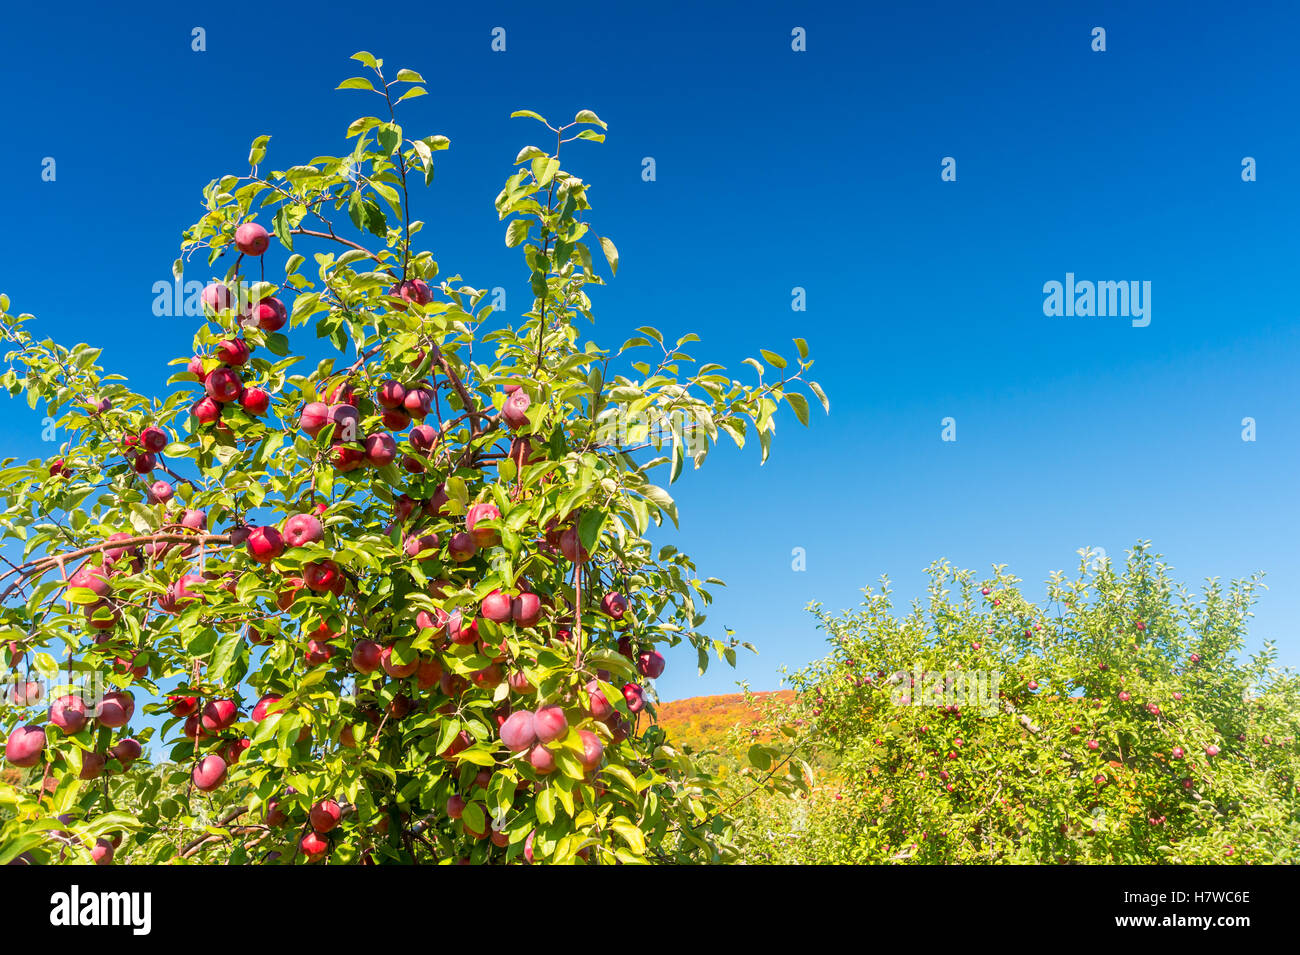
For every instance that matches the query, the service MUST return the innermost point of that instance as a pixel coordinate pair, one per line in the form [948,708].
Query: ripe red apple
[219,714]
[634,696]
[496,606]
[549,723]
[92,578]
[275,814]
[461,547]
[217,297]
[593,750]
[101,853]
[325,815]
[419,544]
[517,732]
[269,314]
[183,705]
[24,746]
[115,709]
[398,671]
[264,544]
[542,759]
[366,656]
[391,394]
[92,765]
[255,401]
[144,462]
[396,419]
[251,238]
[571,546]
[488,677]
[126,751]
[303,529]
[526,609]
[205,410]
[161,491]
[318,652]
[598,706]
[315,416]
[455,805]
[518,682]
[209,773]
[262,707]
[515,411]
[1211,751]
[233,351]
[412,290]
[614,604]
[1123,696]
[650,663]
[418,402]
[1094,744]
[314,846]
[484,536]
[223,385]
[345,459]
[381,449]
[423,437]
[460,632]
[321,575]
[153,439]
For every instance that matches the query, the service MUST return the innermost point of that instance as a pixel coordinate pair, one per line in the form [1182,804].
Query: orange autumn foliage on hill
[706,722]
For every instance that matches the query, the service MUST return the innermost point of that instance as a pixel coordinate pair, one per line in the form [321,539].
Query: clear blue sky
[779,169]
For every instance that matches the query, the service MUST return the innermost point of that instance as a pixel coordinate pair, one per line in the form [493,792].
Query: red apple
[209,773]
[526,609]
[24,746]
[366,656]
[264,544]
[303,529]
[325,815]
[517,732]
[549,723]
[115,709]
[496,606]
[251,239]
[223,385]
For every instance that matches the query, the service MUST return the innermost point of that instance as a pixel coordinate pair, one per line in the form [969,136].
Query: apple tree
[375,581]
[1115,724]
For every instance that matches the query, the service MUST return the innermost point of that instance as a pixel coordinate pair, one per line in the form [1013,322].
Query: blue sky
[778,169]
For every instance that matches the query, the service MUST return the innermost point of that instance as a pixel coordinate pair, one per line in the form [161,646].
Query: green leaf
[587,116]
[517,231]
[409,76]
[611,253]
[529,114]
[800,405]
[821,395]
[356,83]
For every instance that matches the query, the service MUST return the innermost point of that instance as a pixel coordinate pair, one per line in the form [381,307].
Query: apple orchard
[397,604]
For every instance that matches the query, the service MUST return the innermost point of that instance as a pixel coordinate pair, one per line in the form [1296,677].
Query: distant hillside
[704,722]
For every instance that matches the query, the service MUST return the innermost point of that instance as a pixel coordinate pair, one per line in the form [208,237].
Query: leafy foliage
[539,477]
[1124,729]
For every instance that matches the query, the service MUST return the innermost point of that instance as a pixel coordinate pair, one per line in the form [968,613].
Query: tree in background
[1116,724]
[398,604]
